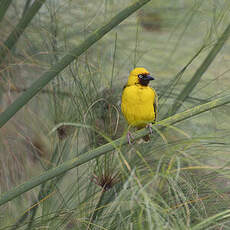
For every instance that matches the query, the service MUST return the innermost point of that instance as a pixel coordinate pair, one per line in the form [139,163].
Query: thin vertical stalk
[114,58]
[136,45]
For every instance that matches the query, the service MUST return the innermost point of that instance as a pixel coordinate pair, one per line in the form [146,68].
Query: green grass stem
[19,29]
[213,219]
[92,154]
[200,71]
[4,5]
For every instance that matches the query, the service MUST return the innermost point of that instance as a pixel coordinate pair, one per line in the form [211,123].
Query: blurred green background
[179,180]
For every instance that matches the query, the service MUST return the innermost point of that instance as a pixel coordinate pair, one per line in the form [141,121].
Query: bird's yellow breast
[138,105]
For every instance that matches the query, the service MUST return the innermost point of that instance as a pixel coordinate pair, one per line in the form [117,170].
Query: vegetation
[64,158]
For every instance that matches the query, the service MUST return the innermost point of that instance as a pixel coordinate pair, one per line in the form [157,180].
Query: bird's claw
[130,137]
[149,126]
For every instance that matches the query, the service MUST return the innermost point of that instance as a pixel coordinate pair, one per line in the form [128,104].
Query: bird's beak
[150,78]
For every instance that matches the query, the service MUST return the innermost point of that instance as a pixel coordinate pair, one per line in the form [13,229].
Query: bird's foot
[130,137]
[149,126]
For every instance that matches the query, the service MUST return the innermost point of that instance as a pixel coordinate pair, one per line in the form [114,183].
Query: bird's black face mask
[144,79]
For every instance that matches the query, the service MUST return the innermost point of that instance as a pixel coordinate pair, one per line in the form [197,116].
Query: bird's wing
[155,105]
[124,87]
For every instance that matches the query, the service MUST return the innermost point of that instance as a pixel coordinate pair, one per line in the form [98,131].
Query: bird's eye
[140,76]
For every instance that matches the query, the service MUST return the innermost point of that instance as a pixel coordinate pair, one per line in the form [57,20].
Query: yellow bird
[139,101]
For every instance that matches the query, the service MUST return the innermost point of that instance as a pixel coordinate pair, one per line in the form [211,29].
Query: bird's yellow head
[139,76]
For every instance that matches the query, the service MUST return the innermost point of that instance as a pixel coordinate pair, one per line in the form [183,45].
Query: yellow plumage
[139,101]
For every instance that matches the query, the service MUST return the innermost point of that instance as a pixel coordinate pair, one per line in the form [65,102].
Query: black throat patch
[143,82]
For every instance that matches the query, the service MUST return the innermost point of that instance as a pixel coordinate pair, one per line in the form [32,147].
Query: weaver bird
[139,101]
